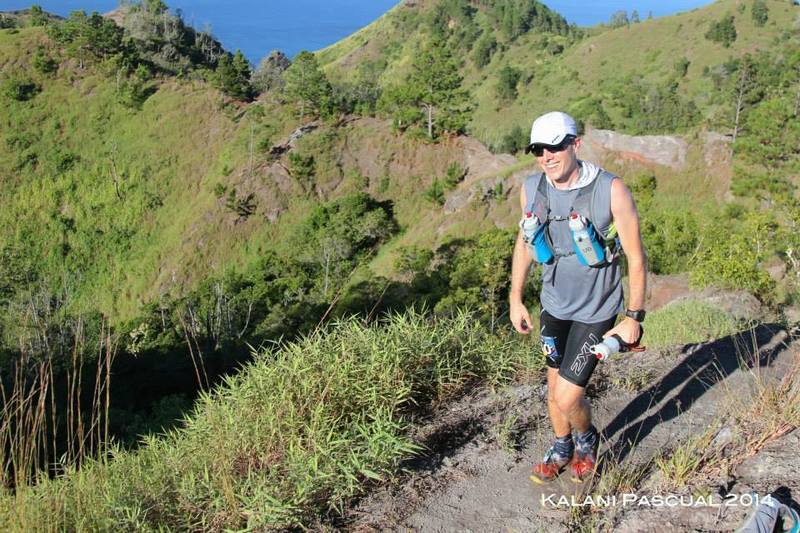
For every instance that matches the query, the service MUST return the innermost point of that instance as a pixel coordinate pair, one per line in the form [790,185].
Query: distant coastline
[258,28]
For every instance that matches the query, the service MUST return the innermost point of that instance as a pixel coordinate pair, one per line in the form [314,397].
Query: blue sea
[291,26]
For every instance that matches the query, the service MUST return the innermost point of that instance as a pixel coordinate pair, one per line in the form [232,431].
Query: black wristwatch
[636,315]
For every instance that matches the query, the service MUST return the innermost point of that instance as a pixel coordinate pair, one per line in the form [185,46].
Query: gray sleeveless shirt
[570,290]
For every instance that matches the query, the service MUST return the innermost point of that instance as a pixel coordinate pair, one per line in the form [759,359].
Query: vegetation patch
[292,437]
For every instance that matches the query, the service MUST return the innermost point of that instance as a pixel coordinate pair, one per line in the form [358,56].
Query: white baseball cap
[551,128]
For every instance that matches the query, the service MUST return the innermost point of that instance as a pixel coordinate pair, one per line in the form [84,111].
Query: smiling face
[560,163]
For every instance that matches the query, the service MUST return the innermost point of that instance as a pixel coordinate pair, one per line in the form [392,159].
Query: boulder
[664,150]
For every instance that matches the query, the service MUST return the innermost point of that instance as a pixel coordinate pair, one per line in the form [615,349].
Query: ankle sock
[587,442]
[564,446]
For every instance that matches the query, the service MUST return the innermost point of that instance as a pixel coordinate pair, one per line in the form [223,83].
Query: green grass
[288,439]
[683,462]
[687,322]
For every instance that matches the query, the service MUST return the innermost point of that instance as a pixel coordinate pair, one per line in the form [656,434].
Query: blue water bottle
[584,239]
[533,235]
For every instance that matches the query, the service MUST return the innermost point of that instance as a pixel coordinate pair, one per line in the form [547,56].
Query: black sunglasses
[538,149]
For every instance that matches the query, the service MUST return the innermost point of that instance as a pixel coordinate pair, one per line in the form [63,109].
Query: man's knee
[567,404]
[566,396]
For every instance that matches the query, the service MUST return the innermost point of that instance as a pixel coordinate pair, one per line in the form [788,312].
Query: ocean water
[254,27]
[291,26]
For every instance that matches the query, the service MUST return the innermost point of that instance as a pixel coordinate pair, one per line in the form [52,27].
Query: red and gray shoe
[550,467]
[584,465]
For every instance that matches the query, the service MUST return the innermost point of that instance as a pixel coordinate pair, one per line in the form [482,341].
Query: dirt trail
[475,477]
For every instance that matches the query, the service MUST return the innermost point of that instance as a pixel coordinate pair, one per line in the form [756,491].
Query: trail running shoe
[549,469]
[584,462]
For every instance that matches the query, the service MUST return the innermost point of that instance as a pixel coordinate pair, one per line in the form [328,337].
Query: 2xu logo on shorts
[583,356]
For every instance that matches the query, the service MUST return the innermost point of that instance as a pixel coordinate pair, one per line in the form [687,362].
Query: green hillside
[134,228]
[169,215]
[581,73]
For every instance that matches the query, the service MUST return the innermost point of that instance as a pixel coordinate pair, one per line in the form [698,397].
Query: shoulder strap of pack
[584,202]
[536,196]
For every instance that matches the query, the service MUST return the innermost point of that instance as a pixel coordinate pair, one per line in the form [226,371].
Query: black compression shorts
[566,344]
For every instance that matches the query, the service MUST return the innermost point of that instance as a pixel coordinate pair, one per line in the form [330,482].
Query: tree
[619,19]
[19,88]
[88,37]
[759,12]
[743,86]
[37,16]
[435,84]
[479,276]
[233,76]
[635,17]
[7,22]
[773,134]
[307,85]
[157,7]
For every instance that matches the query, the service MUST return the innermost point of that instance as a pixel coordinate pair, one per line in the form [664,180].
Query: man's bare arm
[520,265]
[626,219]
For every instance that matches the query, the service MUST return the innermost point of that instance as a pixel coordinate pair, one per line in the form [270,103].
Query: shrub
[681,67]
[513,141]
[484,48]
[759,12]
[722,31]
[455,173]
[435,193]
[301,167]
[507,81]
[19,89]
[43,62]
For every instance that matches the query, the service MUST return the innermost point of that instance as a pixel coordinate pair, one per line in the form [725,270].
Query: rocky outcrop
[667,150]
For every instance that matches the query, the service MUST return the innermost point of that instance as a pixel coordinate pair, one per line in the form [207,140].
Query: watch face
[636,315]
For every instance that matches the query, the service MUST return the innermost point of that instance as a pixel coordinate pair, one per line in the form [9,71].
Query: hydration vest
[583,205]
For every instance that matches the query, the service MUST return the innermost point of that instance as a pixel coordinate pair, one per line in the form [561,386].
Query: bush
[20,89]
[7,22]
[591,111]
[681,67]
[731,255]
[759,12]
[514,141]
[507,81]
[686,322]
[455,173]
[484,48]
[43,63]
[670,239]
[435,193]
[722,31]
[302,168]
[37,16]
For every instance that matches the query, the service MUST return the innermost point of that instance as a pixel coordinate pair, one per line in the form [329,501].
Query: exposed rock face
[664,150]
[480,161]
